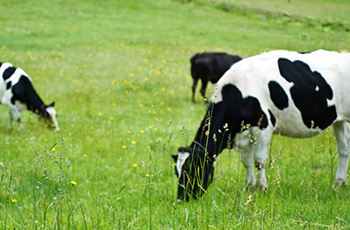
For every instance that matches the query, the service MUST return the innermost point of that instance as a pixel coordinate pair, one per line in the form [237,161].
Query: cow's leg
[204,87]
[245,147]
[247,158]
[15,114]
[9,126]
[194,87]
[261,151]
[342,135]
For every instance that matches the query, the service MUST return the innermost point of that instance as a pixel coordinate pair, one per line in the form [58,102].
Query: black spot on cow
[278,95]
[310,93]
[8,73]
[8,85]
[229,117]
[272,118]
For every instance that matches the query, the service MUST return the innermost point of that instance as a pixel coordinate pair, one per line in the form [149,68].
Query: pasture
[119,74]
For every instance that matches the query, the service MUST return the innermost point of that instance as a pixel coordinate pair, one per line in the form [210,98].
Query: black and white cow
[17,93]
[209,66]
[279,92]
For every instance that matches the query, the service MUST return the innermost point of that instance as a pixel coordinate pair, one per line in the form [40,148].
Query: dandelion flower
[53,149]
[14,201]
[142,131]
[73,182]
[111,118]
[100,114]
[135,165]
[133,142]
[124,146]
[292,158]
[168,108]
[84,155]
[147,175]
[69,134]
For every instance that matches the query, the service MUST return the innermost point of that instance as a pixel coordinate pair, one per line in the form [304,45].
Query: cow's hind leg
[342,135]
[194,87]
[15,114]
[9,126]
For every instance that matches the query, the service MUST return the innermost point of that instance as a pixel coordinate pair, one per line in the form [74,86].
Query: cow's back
[304,92]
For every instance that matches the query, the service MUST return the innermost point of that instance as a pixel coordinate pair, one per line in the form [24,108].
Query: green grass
[119,74]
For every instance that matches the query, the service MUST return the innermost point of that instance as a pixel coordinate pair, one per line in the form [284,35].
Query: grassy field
[119,74]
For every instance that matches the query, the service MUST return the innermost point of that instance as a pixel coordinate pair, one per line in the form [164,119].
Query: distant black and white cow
[209,67]
[17,93]
[279,92]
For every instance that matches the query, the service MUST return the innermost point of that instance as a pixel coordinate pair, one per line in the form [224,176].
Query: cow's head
[195,170]
[48,114]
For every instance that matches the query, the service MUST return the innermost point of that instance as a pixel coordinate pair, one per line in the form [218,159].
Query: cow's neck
[214,133]
[35,104]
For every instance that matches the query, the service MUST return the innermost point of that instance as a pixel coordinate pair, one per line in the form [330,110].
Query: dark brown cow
[209,67]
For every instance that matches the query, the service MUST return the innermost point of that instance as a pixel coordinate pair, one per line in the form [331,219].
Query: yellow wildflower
[73,182]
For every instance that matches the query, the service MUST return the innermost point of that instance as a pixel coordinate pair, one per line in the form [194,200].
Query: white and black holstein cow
[209,66]
[17,93]
[279,92]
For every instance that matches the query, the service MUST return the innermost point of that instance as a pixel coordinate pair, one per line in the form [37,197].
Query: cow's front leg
[247,158]
[244,145]
[20,126]
[203,89]
[261,150]
[342,135]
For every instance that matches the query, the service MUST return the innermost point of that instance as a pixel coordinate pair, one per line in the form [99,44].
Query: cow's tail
[193,59]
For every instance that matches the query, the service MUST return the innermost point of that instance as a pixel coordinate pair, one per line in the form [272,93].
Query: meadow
[118,72]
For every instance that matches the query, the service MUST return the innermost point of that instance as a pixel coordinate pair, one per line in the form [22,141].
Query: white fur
[6,95]
[180,161]
[51,110]
[251,76]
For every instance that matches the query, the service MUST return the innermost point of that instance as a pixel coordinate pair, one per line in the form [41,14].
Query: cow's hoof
[338,184]
[179,201]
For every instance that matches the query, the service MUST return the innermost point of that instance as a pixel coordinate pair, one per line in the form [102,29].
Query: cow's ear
[175,157]
[52,104]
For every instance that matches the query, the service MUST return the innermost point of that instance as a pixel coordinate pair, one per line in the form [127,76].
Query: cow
[278,92]
[209,67]
[18,93]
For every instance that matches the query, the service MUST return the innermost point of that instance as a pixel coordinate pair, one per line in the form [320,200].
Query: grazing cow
[279,92]
[17,93]
[209,67]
